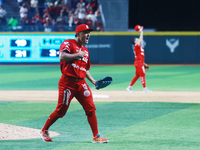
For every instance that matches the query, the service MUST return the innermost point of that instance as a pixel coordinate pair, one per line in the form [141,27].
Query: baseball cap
[83,27]
[138,27]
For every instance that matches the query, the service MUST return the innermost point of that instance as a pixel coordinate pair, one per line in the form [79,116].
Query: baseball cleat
[45,136]
[145,90]
[99,139]
[129,88]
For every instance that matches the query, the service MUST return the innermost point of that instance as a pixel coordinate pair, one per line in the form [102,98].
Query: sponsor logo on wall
[172,44]
[98,46]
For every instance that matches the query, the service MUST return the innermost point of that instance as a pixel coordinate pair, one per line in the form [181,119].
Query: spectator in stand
[77,21]
[66,2]
[61,22]
[91,20]
[47,25]
[37,21]
[51,11]
[97,14]
[46,15]
[77,8]
[26,23]
[71,18]
[34,4]
[23,11]
[31,11]
[20,2]
[81,13]
[54,26]
[58,8]
[2,16]
[60,19]
[88,8]
[12,23]
[2,12]
[58,2]
[99,23]
[46,4]
[47,22]
[65,11]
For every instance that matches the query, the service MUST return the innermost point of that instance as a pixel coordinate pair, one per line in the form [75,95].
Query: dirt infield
[10,132]
[108,96]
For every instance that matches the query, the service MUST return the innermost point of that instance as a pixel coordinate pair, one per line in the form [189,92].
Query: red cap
[138,27]
[83,27]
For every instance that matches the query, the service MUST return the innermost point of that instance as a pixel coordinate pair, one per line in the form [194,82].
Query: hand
[94,82]
[141,29]
[81,54]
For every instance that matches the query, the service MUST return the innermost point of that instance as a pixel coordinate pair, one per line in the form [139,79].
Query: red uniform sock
[143,81]
[92,120]
[52,118]
[134,80]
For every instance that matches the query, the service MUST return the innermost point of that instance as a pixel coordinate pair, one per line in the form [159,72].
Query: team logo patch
[86,93]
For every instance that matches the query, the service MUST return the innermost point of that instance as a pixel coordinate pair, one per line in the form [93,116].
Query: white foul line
[100,96]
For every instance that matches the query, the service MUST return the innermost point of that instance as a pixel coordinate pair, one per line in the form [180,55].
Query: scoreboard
[34,48]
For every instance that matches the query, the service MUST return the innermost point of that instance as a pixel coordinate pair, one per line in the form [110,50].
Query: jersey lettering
[85,59]
[77,67]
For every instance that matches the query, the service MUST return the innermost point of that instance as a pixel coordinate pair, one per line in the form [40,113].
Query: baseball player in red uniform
[139,62]
[75,65]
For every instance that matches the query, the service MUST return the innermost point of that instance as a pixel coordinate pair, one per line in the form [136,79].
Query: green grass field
[127,125]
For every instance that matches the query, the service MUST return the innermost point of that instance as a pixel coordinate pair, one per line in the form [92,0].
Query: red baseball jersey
[139,52]
[75,68]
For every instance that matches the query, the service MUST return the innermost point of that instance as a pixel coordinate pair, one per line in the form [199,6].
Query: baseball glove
[104,82]
[146,67]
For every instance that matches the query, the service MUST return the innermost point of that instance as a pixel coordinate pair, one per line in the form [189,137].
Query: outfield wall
[104,47]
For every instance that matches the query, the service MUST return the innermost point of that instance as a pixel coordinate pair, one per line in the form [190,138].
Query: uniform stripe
[66,96]
[143,69]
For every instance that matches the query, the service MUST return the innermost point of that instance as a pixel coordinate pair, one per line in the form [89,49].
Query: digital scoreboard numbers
[20,43]
[49,52]
[31,48]
[20,53]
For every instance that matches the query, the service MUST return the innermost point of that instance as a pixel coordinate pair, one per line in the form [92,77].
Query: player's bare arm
[140,40]
[63,56]
[90,78]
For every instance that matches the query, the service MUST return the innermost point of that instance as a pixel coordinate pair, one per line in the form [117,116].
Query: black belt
[74,79]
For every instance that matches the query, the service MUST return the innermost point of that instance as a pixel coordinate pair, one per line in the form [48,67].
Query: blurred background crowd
[102,15]
[49,15]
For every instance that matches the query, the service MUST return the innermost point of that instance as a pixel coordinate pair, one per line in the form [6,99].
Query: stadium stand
[49,15]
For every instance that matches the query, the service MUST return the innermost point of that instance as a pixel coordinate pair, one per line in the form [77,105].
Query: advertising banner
[104,49]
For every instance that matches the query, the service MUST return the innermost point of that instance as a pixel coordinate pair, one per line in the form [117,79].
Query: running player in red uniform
[75,65]
[139,62]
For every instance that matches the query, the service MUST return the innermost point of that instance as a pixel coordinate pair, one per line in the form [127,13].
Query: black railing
[38,28]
